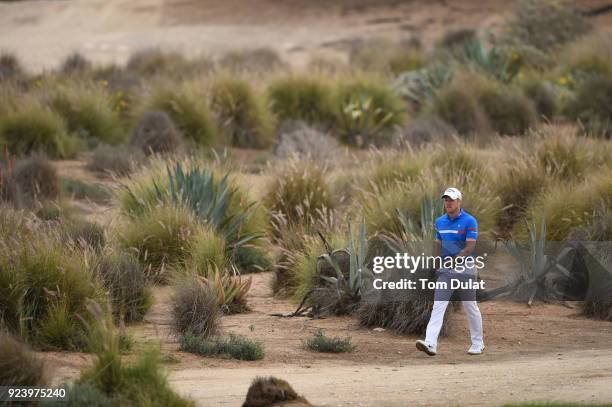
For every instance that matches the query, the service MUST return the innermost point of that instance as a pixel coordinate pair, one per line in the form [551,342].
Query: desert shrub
[251,259]
[120,161]
[195,308]
[322,343]
[215,200]
[542,96]
[206,251]
[518,183]
[84,233]
[457,105]
[10,67]
[562,155]
[258,60]
[45,287]
[303,274]
[123,277]
[75,63]
[156,133]
[592,106]
[36,128]
[235,346]
[299,139]
[19,366]
[366,112]
[508,111]
[299,192]
[36,178]
[590,56]
[88,114]
[230,288]
[78,189]
[570,205]
[241,114]
[302,98]
[268,391]
[188,110]
[161,237]
[385,168]
[141,383]
[546,24]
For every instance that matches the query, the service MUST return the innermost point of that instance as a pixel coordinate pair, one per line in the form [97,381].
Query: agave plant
[413,233]
[496,62]
[362,122]
[418,86]
[210,200]
[231,289]
[535,265]
[348,288]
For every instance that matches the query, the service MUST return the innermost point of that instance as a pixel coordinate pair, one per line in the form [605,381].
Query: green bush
[161,237]
[156,133]
[123,277]
[571,206]
[195,308]
[207,249]
[88,114]
[367,112]
[300,192]
[35,178]
[235,346]
[19,366]
[517,184]
[566,157]
[592,106]
[457,105]
[542,96]
[217,201]
[241,114]
[302,98]
[45,285]
[188,110]
[546,24]
[322,343]
[508,111]
[35,128]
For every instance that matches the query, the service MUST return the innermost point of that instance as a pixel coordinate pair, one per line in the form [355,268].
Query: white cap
[452,193]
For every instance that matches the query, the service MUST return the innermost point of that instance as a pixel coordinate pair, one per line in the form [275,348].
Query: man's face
[450,205]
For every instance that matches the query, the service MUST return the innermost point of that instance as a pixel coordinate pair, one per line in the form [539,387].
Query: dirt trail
[545,352]
[578,376]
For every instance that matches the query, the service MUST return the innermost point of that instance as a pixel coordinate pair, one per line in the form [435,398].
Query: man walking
[456,234]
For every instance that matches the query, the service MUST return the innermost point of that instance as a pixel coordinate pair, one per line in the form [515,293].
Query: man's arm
[470,245]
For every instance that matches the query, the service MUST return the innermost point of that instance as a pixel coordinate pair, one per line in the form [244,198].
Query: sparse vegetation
[195,308]
[235,346]
[322,343]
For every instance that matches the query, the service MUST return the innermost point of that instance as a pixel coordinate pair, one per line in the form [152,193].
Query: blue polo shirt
[453,232]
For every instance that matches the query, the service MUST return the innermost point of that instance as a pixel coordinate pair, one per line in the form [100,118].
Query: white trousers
[437,318]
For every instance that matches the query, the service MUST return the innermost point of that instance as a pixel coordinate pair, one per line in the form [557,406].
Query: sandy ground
[43,32]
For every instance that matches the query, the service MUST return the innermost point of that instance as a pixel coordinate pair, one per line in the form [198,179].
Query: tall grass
[33,127]
[241,113]
[367,112]
[308,99]
[45,285]
[188,109]
[88,113]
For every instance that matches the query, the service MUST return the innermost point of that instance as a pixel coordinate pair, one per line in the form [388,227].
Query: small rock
[379,329]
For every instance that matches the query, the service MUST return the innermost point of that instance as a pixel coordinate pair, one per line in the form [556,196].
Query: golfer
[456,234]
